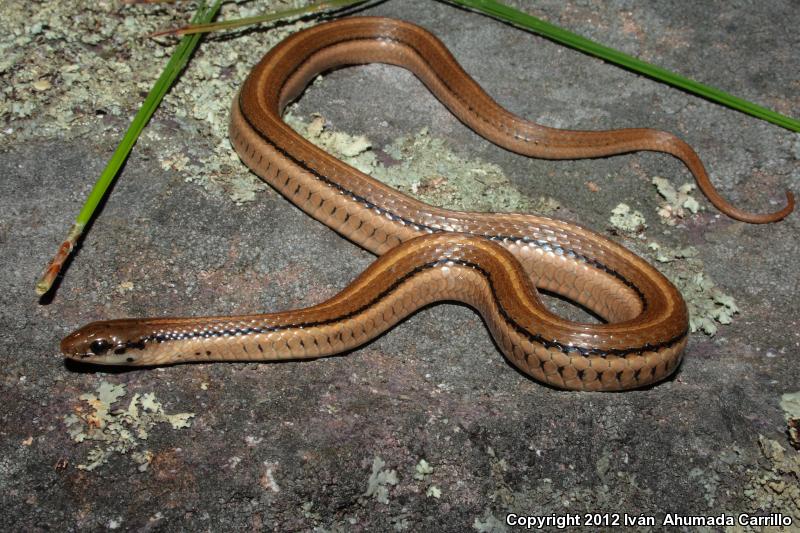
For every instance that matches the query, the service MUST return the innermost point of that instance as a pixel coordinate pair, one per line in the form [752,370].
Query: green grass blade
[175,65]
[518,18]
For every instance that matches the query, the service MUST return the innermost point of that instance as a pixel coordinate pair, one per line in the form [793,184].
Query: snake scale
[492,262]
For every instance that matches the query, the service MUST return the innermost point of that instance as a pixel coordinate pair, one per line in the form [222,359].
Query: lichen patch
[678,203]
[708,305]
[775,484]
[627,220]
[424,167]
[380,480]
[121,430]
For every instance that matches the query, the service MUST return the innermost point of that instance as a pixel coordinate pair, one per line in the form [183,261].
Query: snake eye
[99,347]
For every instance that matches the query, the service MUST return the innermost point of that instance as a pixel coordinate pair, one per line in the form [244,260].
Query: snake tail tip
[787,209]
[767,218]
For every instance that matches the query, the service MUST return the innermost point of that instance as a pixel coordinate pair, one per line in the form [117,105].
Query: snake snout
[86,342]
[100,342]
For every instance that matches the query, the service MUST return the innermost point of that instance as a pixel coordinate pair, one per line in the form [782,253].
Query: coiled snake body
[492,262]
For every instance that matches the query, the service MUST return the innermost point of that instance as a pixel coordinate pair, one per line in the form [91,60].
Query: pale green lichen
[422,470]
[355,150]
[627,220]
[244,188]
[790,403]
[424,167]
[678,202]
[668,255]
[707,304]
[348,147]
[776,486]
[708,480]
[379,481]
[434,492]
[430,171]
[121,430]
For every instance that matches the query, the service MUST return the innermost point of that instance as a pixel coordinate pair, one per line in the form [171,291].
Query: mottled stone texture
[292,446]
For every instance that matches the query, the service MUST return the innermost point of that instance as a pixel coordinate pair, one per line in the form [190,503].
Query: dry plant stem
[52,270]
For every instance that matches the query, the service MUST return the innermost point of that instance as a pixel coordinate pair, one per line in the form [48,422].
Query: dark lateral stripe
[543,244]
[532,337]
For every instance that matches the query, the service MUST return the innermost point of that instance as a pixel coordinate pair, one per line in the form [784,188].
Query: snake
[495,263]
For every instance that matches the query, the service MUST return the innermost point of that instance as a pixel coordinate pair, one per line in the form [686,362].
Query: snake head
[111,342]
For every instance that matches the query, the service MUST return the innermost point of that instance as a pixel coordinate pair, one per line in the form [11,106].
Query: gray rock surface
[293,446]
